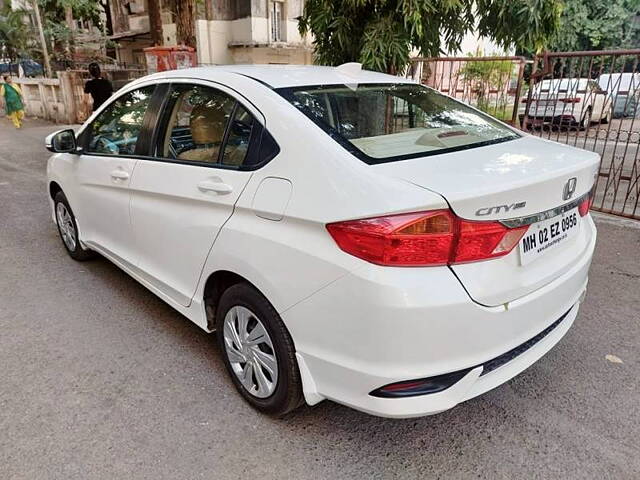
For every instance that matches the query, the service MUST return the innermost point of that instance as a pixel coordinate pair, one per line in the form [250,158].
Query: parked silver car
[624,91]
[567,102]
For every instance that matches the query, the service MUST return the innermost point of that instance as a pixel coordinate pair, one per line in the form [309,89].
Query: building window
[276,21]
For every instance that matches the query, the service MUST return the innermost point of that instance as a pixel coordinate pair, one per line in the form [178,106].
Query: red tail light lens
[484,240]
[431,238]
[570,100]
[585,204]
[411,239]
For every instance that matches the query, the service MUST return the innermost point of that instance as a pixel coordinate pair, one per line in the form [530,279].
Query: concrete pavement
[99,379]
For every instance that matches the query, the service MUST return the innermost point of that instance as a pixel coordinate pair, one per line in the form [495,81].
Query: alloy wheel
[250,352]
[65,224]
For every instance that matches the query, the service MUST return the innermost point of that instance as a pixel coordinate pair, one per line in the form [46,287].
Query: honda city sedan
[568,102]
[349,235]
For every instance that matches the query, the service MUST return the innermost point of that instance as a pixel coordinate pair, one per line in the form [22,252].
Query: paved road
[101,380]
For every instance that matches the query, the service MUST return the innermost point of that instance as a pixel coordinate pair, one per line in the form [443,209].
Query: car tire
[68,229]
[244,310]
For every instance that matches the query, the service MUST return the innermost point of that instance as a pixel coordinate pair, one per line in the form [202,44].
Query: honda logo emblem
[569,188]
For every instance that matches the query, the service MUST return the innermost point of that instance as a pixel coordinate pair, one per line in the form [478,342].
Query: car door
[103,172]
[185,191]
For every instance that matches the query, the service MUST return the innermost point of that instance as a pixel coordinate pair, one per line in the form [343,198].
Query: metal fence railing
[590,100]
[492,84]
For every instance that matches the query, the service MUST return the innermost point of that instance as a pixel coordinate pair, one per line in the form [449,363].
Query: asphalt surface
[99,379]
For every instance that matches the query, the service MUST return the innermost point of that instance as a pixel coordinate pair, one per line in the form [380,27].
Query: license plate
[548,235]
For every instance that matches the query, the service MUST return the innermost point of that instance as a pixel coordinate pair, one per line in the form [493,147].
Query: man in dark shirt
[99,88]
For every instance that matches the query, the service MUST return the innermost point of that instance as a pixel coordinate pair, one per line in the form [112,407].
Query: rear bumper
[560,119]
[381,325]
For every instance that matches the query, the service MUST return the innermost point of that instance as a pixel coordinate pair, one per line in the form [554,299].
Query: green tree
[382,33]
[483,76]
[14,35]
[57,32]
[597,25]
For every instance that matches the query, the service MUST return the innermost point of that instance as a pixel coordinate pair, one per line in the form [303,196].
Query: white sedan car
[350,235]
[567,102]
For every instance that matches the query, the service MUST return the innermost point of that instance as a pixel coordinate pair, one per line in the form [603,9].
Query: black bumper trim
[442,382]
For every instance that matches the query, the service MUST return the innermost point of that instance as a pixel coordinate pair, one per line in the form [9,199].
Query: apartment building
[253,31]
[238,31]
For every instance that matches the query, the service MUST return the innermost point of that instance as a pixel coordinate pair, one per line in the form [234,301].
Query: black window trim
[151,128]
[86,133]
[287,94]
[160,121]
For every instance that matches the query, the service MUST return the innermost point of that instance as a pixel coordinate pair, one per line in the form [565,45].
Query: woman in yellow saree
[13,101]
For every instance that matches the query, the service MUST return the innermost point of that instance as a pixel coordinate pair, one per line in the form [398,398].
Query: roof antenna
[351,69]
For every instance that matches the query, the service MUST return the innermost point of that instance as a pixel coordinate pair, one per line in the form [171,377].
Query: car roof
[281,76]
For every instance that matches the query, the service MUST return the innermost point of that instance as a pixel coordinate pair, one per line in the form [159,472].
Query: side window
[237,145]
[197,121]
[115,131]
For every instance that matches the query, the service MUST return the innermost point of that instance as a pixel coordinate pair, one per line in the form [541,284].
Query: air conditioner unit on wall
[139,23]
[135,6]
[166,17]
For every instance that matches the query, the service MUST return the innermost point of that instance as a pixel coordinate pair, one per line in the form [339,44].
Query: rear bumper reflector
[425,386]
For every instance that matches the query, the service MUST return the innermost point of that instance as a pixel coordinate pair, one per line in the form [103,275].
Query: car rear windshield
[389,122]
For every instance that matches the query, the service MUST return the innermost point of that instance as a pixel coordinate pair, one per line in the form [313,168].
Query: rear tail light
[585,203]
[570,100]
[429,238]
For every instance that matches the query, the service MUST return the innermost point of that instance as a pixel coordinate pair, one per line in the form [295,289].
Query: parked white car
[395,263]
[567,102]
[624,91]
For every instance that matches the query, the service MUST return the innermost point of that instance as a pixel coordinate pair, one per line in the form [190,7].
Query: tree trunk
[185,23]
[68,19]
[43,41]
[208,9]
[155,22]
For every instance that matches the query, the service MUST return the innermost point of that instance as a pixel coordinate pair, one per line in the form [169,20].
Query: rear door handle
[217,187]
[119,175]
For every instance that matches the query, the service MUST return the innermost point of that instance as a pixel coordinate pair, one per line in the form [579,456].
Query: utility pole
[43,41]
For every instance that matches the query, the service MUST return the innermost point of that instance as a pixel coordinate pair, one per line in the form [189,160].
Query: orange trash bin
[161,59]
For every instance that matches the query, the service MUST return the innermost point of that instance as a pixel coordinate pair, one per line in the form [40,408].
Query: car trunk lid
[513,180]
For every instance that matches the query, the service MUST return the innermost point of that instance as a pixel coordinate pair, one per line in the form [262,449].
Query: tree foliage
[597,25]
[15,36]
[57,32]
[381,34]
[482,76]
[19,35]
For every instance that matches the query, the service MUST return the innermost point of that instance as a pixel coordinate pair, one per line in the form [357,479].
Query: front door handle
[217,187]
[119,175]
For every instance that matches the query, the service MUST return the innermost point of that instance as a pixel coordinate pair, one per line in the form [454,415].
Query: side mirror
[62,141]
